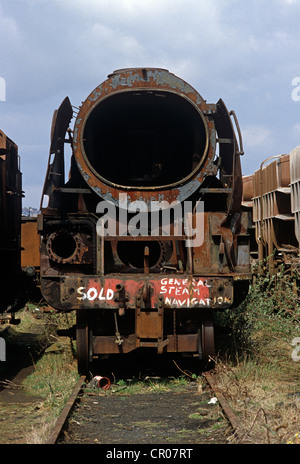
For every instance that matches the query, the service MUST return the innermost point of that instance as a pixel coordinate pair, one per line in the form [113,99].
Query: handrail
[241,148]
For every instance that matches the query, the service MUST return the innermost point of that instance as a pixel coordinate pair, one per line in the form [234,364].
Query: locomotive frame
[147,136]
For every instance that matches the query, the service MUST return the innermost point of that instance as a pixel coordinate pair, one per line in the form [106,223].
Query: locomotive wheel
[82,342]
[206,339]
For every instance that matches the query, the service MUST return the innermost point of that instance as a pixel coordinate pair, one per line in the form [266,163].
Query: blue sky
[245,52]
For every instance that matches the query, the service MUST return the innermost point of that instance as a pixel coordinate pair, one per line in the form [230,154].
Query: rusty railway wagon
[11,277]
[145,237]
[271,196]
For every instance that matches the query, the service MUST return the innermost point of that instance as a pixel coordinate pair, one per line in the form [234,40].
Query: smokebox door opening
[145,138]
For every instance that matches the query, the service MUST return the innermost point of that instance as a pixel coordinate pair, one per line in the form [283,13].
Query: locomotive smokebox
[143,131]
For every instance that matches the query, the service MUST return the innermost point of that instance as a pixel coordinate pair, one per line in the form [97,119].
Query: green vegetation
[256,367]
[53,377]
[265,324]
[53,380]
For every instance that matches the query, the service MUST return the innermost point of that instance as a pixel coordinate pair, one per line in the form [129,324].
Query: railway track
[74,428]
[230,415]
[65,412]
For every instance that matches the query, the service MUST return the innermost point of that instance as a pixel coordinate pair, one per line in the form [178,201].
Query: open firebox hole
[132,253]
[63,245]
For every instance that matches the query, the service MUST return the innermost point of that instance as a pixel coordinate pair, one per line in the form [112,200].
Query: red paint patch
[172,292]
[183,292]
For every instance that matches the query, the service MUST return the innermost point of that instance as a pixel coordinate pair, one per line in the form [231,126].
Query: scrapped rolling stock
[11,277]
[271,196]
[144,235]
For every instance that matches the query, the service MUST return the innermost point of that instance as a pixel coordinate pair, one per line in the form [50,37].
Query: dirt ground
[19,412]
[181,416]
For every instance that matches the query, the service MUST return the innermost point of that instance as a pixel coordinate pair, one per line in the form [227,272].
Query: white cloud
[8,27]
[256,136]
[296,129]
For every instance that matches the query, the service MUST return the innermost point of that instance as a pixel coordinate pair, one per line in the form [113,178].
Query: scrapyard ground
[38,377]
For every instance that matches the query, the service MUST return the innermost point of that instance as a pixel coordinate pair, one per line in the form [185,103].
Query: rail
[231,416]
[65,412]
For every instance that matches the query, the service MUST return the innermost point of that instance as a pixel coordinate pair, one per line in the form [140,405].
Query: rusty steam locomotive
[145,235]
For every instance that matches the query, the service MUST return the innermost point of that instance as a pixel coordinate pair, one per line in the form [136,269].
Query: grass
[52,380]
[55,373]
[267,408]
[137,386]
[257,371]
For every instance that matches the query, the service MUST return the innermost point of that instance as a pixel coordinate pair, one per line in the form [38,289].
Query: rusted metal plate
[55,177]
[149,324]
[295,189]
[248,191]
[187,343]
[30,243]
[107,344]
[284,173]
[167,292]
